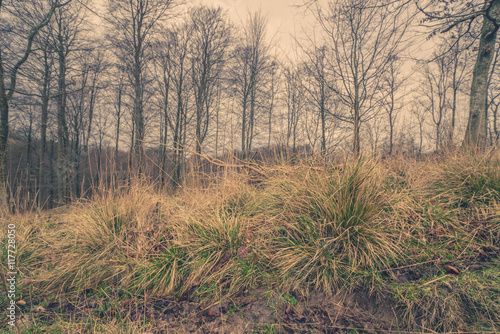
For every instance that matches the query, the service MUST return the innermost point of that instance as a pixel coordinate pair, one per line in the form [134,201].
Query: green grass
[445,302]
[466,181]
[330,226]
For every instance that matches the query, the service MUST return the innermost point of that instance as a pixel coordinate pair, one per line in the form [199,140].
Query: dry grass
[330,225]
[308,226]
[466,180]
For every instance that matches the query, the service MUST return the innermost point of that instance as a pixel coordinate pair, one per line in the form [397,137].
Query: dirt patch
[257,311]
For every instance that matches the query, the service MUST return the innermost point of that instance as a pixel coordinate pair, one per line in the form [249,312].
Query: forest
[177,166]
[96,92]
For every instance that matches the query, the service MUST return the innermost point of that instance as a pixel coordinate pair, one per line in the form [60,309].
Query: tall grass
[331,225]
[467,180]
[306,226]
[101,239]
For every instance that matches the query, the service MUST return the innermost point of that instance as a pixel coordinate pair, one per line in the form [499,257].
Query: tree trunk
[323,123]
[118,119]
[43,128]
[475,135]
[138,119]
[164,149]
[28,159]
[271,112]
[99,155]
[391,135]
[243,128]
[217,123]
[52,174]
[454,101]
[391,120]
[356,146]
[199,114]
[131,152]
[166,81]
[75,190]
[495,126]
[217,133]
[251,119]
[4,134]
[438,137]
[270,129]
[177,135]
[62,129]
[86,162]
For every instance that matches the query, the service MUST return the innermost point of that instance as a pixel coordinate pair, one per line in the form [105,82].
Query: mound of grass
[467,181]
[31,233]
[446,302]
[331,225]
[217,245]
[163,274]
[101,240]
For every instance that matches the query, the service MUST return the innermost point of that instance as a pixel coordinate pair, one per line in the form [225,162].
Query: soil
[253,312]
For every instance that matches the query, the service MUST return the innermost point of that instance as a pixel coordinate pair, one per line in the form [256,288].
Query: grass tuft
[467,181]
[333,225]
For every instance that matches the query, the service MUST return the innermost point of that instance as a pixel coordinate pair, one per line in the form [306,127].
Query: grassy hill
[396,245]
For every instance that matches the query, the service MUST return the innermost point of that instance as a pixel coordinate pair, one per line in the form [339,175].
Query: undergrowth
[346,226]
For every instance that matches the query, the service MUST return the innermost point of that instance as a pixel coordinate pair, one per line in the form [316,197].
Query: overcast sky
[283,15]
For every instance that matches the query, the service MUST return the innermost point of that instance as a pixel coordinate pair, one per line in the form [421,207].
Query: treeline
[95,93]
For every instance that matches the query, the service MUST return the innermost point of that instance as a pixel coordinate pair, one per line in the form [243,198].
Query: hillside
[357,246]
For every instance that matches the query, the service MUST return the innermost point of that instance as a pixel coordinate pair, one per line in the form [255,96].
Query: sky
[286,19]
[284,16]
[280,12]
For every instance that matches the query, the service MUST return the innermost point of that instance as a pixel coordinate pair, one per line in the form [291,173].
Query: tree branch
[34,31]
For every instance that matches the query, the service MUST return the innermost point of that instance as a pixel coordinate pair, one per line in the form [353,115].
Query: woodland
[172,167]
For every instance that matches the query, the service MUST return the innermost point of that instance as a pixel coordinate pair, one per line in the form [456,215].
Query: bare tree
[48,61]
[274,88]
[436,88]
[458,60]
[120,92]
[476,133]
[163,68]
[209,44]
[363,36]
[294,103]
[420,116]
[66,37]
[393,82]
[317,87]
[135,23]
[175,89]
[7,88]
[35,83]
[92,82]
[444,16]
[251,59]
